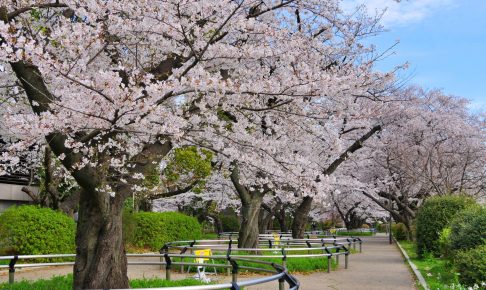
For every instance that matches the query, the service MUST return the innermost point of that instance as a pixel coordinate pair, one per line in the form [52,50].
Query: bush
[230,223]
[468,229]
[433,216]
[400,231]
[365,226]
[32,230]
[129,226]
[154,229]
[471,266]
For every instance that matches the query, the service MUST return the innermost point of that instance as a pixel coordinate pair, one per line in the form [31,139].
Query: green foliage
[468,229]
[433,216]
[32,230]
[189,161]
[399,231]
[382,228]
[129,226]
[444,242]
[354,233]
[471,265]
[230,223]
[65,283]
[153,229]
[35,14]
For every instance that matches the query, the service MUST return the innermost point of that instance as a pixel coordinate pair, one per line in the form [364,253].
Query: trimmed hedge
[154,229]
[471,266]
[468,229]
[30,230]
[433,216]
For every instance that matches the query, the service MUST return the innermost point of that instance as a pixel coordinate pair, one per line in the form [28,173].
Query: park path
[380,266]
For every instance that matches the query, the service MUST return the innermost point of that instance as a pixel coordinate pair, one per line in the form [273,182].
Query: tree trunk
[250,210]
[280,216]
[301,216]
[218,224]
[264,221]
[100,254]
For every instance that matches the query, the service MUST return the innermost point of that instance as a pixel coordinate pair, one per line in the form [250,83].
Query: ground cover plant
[438,273]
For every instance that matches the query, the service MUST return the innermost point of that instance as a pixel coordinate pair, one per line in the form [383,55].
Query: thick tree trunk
[301,216]
[100,254]
[250,210]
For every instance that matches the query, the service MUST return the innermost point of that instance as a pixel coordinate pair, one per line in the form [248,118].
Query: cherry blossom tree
[433,147]
[111,87]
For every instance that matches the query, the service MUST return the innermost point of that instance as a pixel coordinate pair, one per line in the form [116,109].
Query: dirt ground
[380,266]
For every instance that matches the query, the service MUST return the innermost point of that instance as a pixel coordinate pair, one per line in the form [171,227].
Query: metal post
[168,266]
[360,246]
[281,284]
[11,269]
[346,260]
[329,264]
[337,256]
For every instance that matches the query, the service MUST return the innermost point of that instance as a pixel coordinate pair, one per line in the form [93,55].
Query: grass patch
[209,236]
[438,273]
[66,283]
[303,265]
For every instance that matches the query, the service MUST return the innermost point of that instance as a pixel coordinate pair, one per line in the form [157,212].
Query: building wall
[11,194]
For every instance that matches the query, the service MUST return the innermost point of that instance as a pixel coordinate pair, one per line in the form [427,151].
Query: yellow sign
[276,239]
[205,252]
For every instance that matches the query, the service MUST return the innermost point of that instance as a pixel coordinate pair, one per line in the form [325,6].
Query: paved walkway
[379,267]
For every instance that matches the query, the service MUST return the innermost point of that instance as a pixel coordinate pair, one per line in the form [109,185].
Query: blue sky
[444,42]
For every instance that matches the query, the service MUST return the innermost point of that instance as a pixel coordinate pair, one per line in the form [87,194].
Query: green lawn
[65,283]
[438,273]
[355,234]
[303,265]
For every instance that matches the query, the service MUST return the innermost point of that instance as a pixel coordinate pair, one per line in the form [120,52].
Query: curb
[415,270]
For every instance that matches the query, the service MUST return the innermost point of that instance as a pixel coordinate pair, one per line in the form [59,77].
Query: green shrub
[468,229]
[382,228]
[29,230]
[399,231]
[129,226]
[444,242]
[230,223]
[433,216]
[154,229]
[471,265]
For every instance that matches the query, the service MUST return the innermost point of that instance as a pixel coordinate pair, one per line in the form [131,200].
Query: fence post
[162,250]
[284,258]
[346,260]
[11,269]
[337,256]
[168,266]
[234,271]
[281,284]
[228,254]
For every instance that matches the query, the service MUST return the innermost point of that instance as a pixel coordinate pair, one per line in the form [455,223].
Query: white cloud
[399,13]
